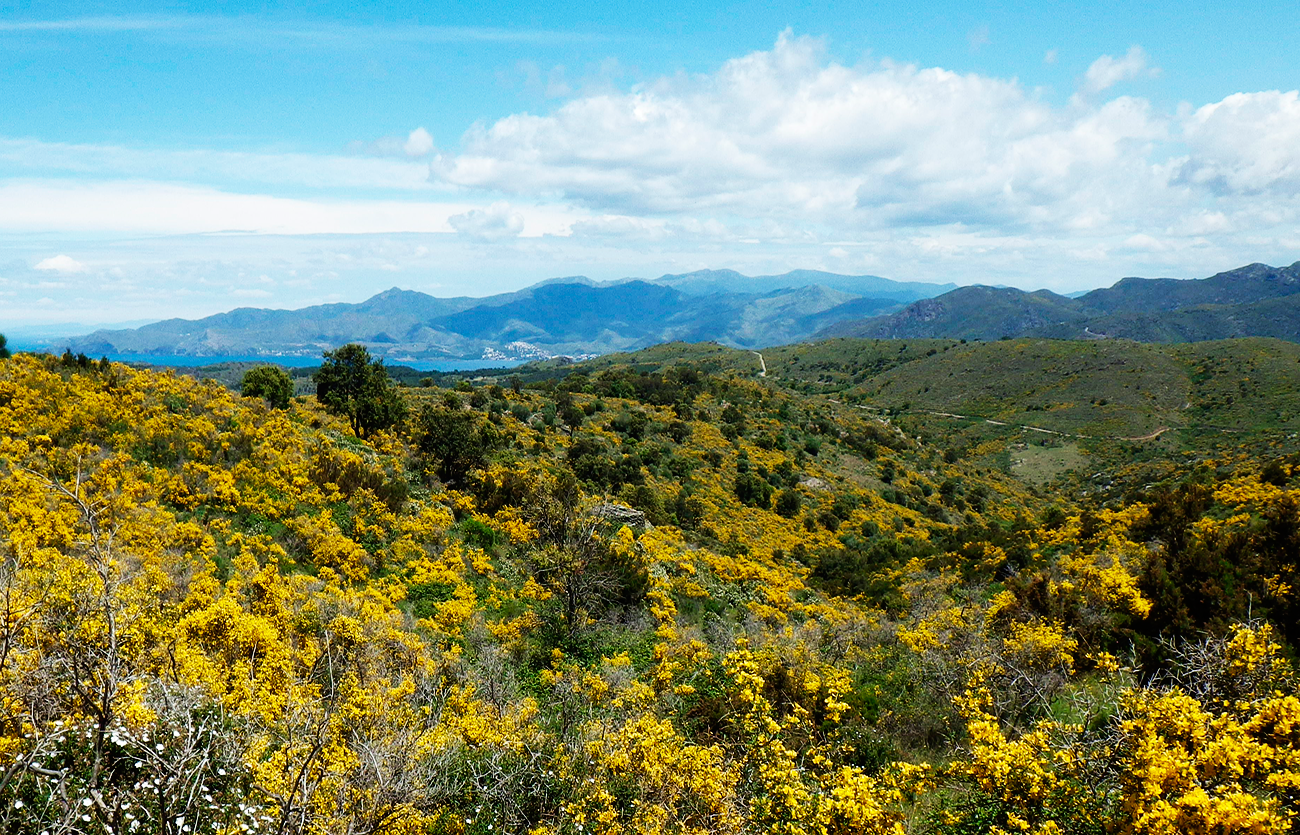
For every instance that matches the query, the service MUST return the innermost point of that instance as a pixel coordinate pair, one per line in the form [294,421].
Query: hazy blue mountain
[707,282]
[573,315]
[249,330]
[569,313]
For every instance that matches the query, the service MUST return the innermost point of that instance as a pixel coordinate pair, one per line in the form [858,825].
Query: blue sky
[180,159]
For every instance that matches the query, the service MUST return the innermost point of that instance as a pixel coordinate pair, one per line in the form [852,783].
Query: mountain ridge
[576,316]
[561,316]
[1254,300]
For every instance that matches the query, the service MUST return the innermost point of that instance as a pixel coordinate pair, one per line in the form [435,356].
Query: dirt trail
[1028,428]
[1156,434]
[761,362]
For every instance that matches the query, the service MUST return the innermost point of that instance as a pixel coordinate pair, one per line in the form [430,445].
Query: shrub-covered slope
[654,594]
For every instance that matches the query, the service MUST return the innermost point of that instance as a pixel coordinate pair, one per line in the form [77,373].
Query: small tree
[458,440]
[349,383]
[568,411]
[788,503]
[753,490]
[270,382]
[4,347]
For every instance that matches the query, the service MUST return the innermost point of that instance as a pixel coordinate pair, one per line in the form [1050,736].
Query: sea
[190,361]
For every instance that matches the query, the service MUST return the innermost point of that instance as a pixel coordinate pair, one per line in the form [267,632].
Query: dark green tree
[753,490]
[351,384]
[270,382]
[788,503]
[457,440]
[4,347]
[568,411]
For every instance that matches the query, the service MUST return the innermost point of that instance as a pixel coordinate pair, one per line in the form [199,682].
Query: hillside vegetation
[655,593]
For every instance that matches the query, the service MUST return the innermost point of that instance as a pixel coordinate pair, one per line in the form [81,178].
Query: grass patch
[1041,465]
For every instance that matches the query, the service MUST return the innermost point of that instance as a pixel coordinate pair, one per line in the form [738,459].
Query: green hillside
[1041,409]
[975,312]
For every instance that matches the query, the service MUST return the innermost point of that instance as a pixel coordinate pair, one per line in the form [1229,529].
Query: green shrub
[270,382]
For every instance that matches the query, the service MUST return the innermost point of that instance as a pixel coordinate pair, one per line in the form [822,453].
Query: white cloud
[1248,143]
[60,264]
[165,208]
[497,222]
[330,35]
[1107,71]
[88,24]
[318,171]
[780,158]
[1203,223]
[1143,242]
[783,135]
[419,143]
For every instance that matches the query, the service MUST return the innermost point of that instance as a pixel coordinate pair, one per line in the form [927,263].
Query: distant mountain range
[576,316]
[1255,300]
[562,316]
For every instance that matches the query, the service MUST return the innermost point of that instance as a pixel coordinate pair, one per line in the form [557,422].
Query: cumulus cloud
[497,222]
[1249,143]
[785,134]
[785,147]
[1107,71]
[779,158]
[418,144]
[60,264]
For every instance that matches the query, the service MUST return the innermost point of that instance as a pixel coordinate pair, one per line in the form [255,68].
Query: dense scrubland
[658,593]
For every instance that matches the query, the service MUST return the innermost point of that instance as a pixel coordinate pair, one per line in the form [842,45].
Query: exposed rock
[620,514]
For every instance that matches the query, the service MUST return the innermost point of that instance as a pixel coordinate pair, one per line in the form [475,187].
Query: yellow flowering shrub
[262,623]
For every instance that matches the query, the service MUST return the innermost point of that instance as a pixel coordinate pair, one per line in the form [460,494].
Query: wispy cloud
[495,223]
[1107,71]
[31,156]
[153,208]
[92,24]
[306,33]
